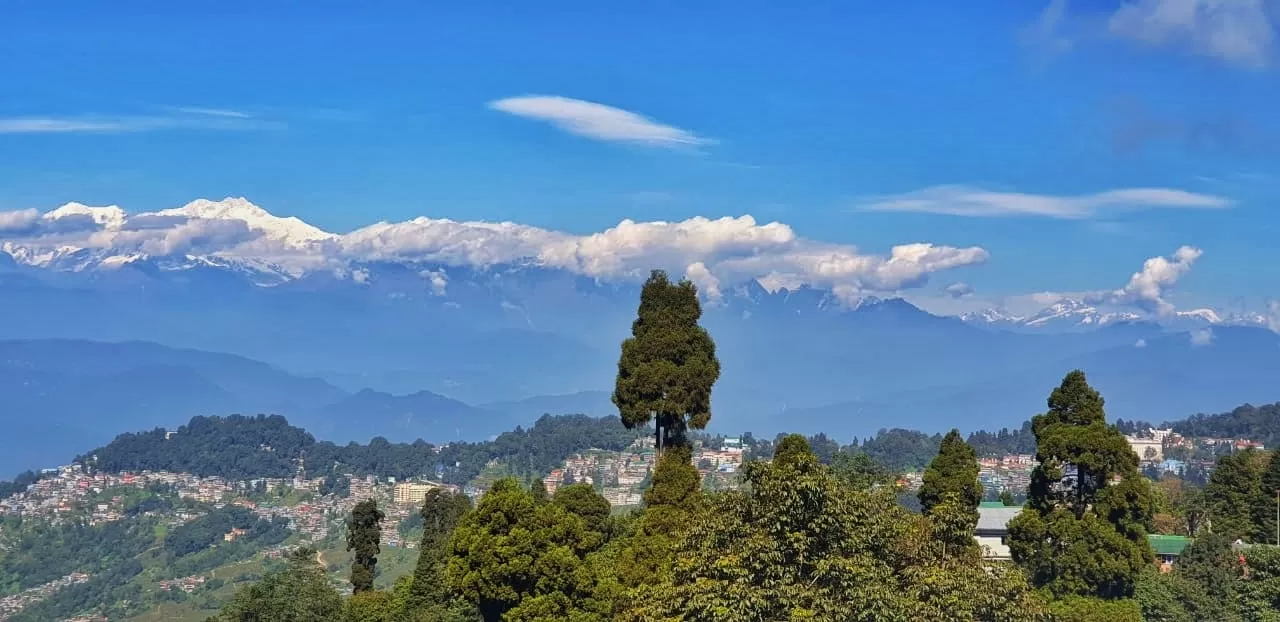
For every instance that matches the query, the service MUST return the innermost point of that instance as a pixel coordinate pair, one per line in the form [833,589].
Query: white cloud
[711,252]
[1147,287]
[18,220]
[1201,337]
[438,279]
[1045,36]
[959,290]
[708,285]
[214,112]
[977,202]
[1141,343]
[597,121]
[128,124]
[1239,32]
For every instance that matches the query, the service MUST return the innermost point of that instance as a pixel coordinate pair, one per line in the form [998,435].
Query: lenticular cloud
[713,252]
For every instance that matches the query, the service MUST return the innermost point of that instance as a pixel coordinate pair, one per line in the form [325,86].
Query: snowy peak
[994,315]
[1207,315]
[292,231]
[1074,312]
[109,217]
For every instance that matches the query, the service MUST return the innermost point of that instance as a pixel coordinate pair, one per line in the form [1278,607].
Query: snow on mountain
[110,217]
[709,250]
[1207,315]
[991,316]
[291,230]
[1073,312]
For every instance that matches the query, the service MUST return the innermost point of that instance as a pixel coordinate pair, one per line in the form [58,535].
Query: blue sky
[807,113]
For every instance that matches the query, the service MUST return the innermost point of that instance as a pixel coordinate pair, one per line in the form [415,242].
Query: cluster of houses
[622,474]
[11,605]
[186,584]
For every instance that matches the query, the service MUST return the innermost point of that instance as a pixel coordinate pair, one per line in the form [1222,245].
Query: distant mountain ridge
[1073,314]
[436,305]
[63,395]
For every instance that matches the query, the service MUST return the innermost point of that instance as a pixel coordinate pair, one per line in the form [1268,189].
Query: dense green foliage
[517,559]
[441,511]
[954,471]
[902,450]
[798,544]
[1004,441]
[210,529]
[125,557]
[1260,423]
[363,533]
[1084,531]
[668,365]
[240,448]
[299,593]
[47,552]
[1232,493]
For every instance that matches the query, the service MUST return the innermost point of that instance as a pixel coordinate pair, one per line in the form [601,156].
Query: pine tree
[1268,499]
[539,491]
[668,366]
[1084,530]
[669,504]
[441,511]
[953,471]
[364,530]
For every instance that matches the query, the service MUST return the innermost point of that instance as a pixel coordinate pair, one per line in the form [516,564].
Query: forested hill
[246,447]
[1260,423]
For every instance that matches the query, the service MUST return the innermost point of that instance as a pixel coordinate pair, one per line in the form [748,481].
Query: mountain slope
[62,395]
[1159,378]
[404,418]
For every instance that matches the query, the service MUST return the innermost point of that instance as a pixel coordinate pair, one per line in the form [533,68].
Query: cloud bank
[1238,32]
[597,121]
[1147,289]
[711,252]
[182,118]
[979,203]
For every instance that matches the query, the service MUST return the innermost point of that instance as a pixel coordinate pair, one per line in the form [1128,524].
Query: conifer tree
[441,511]
[364,530]
[953,471]
[668,366]
[1084,529]
[1268,499]
[539,491]
[1234,492]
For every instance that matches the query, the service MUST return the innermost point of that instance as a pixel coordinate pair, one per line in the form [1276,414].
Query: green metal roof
[991,504]
[1168,545]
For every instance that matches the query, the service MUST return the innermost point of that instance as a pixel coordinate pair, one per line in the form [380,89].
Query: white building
[993,529]
[1141,446]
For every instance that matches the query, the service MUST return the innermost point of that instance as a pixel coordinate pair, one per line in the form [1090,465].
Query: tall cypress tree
[364,529]
[1268,499]
[1233,492]
[1084,531]
[954,470]
[441,511]
[668,365]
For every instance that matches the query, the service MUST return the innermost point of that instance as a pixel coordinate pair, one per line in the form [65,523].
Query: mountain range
[452,330]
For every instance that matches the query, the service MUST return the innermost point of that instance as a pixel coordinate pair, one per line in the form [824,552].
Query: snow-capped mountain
[1073,314]
[485,312]
[1077,313]
[994,317]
